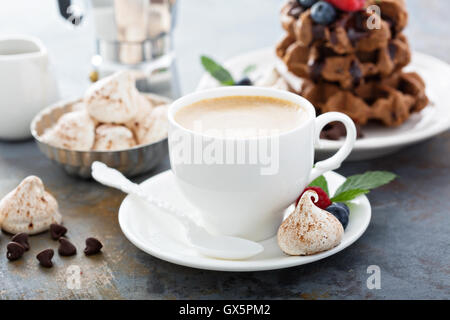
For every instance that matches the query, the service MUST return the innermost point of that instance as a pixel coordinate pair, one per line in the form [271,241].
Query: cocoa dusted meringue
[28,208]
[113,99]
[73,131]
[151,125]
[309,229]
[145,108]
[110,137]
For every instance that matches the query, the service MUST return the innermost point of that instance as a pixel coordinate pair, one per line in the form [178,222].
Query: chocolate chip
[93,246]
[333,37]
[360,21]
[57,231]
[14,251]
[66,248]
[392,48]
[318,32]
[22,238]
[45,258]
[355,36]
[356,73]
[316,70]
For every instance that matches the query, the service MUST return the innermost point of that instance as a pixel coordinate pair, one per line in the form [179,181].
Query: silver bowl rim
[62,103]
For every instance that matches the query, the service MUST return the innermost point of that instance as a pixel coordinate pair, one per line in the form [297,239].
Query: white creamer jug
[26,84]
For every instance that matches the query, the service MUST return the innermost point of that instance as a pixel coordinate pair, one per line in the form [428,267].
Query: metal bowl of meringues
[131,162]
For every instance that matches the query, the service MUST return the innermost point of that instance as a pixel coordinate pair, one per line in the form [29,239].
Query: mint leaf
[250,68]
[348,195]
[366,181]
[320,182]
[359,184]
[217,71]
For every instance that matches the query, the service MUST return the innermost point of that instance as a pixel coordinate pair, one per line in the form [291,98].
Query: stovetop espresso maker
[129,34]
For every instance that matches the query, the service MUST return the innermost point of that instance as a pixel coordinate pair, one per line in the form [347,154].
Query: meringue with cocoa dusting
[73,131]
[309,229]
[28,208]
[110,137]
[151,125]
[113,99]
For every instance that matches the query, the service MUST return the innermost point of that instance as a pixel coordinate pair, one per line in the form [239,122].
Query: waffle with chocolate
[348,70]
[351,67]
[389,101]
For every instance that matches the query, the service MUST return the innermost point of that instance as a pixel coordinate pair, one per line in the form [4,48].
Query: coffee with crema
[241,116]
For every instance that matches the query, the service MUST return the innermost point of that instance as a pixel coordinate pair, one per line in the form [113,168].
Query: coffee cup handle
[336,160]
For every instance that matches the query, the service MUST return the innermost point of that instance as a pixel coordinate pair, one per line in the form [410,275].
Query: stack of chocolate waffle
[354,64]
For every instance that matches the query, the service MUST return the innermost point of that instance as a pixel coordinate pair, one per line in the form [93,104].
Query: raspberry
[323,202]
[348,5]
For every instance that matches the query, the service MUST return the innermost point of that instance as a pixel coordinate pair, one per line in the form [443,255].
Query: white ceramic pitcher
[26,84]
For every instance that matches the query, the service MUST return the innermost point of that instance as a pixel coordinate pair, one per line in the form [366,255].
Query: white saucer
[158,234]
[377,141]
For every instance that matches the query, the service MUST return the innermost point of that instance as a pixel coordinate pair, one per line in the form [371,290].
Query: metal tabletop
[408,237]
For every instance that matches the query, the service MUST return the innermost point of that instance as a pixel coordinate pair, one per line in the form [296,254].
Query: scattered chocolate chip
[57,231]
[14,251]
[66,248]
[22,238]
[93,246]
[45,258]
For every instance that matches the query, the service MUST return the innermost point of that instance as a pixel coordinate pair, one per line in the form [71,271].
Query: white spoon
[223,247]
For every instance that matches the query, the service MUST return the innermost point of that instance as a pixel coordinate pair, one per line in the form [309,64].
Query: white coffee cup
[26,84]
[245,199]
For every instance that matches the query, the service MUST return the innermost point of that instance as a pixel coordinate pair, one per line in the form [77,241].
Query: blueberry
[323,13]
[244,82]
[306,3]
[340,211]
[344,206]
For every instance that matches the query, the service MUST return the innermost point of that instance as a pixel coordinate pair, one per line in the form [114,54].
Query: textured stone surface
[408,237]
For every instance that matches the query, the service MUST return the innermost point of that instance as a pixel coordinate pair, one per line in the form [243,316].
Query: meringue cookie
[110,137]
[28,208]
[145,107]
[74,131]
[309,229]
[113,99]
[151,126]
